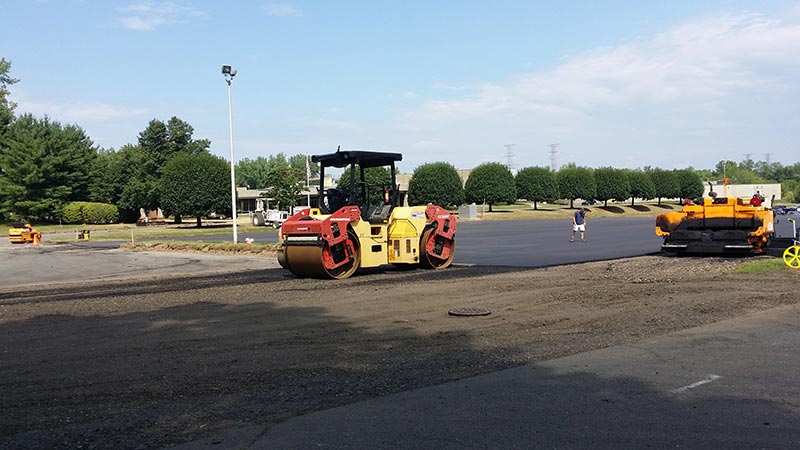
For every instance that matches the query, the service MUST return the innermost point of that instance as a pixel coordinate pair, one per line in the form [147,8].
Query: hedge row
[90,212]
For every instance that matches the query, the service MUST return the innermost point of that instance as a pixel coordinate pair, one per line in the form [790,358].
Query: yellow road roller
[23,232]
[348,230]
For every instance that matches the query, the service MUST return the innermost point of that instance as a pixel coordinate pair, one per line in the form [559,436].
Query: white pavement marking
[705,380]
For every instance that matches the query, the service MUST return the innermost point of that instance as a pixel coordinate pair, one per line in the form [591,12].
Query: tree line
[45,166]
[49,170]
[493,183]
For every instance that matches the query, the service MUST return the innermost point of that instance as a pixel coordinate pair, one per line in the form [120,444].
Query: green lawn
[128,232]
[763,265]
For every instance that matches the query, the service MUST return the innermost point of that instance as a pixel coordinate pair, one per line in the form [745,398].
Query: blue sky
[614,83]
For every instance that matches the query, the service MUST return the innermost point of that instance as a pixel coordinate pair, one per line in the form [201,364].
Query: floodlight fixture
[228,72]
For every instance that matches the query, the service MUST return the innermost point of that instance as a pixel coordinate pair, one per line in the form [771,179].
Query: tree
[158,143]
[641,186]
[252,173]
[376,178]
[195,184]
[491,183]
[285,185]
[537,184]
[575,182]
[790,191]
[437,183]
[116,178]
[611,183]
[6,105]
[299,162]
[736,174]
[689,183]
[665,183]
[774,171]
[45,165]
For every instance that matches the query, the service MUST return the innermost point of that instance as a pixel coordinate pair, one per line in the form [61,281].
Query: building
[745,190]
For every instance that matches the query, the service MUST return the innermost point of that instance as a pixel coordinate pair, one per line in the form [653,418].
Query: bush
[491,183]
[89,212]
[436,183]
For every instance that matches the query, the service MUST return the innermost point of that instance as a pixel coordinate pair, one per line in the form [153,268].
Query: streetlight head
[226,69]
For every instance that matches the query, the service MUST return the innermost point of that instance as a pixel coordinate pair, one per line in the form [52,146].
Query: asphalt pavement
[531,243]
[727,385]
[513,243]
[509,243]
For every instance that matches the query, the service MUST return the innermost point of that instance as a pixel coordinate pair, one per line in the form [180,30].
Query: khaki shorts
[581,227]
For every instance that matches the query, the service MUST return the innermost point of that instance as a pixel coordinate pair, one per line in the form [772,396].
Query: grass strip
[765,265]
[269,249]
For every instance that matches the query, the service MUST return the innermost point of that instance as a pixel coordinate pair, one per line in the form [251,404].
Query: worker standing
[578,224]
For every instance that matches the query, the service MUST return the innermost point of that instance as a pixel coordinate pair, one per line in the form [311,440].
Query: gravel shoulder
[149,363]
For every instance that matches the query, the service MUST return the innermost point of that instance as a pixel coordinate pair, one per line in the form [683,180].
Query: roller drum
[305,261]
[431,260]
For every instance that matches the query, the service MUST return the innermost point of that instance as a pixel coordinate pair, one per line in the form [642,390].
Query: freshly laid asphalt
[514,243]
[531,243]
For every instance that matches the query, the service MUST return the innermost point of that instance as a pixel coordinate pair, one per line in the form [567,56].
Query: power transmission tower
[510,156]
[554,157]
[747,156]
[766,156]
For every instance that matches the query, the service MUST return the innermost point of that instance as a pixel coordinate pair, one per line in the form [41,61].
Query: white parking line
[705,380]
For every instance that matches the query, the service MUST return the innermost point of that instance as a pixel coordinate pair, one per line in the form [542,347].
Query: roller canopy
[362,158]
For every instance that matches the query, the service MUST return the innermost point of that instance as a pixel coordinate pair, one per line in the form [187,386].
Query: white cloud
[683,80]
[282,10]
[146,16]
[78,113]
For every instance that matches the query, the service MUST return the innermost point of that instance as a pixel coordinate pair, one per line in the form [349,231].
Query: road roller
[348,230]
[717,225]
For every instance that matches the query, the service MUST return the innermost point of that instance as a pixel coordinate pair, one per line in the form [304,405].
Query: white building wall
[746,190]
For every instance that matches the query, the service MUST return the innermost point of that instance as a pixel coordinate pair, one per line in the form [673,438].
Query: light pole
[229,73]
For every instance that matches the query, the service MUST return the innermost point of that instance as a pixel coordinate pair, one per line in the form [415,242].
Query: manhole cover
[469,312]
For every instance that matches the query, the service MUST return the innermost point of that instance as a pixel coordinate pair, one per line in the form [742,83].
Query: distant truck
[268,217]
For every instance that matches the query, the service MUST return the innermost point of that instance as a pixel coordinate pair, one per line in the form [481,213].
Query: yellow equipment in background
[22,233]
[791,256]
[726,225]
[349,230]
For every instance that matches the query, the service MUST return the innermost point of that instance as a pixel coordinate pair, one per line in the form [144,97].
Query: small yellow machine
[791,256]
[22,233]
[720,225]
[349,230]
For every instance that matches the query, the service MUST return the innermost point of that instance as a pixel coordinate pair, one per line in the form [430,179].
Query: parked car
[779,209]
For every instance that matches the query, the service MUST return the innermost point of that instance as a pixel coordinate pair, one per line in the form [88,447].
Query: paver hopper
[718,225]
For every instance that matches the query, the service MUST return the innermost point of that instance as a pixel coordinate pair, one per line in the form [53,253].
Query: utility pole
[510,156]
[554,157]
